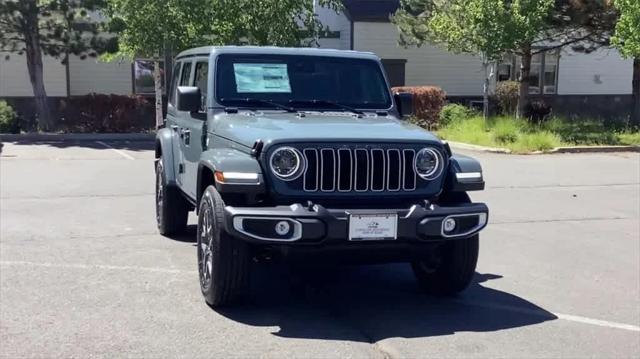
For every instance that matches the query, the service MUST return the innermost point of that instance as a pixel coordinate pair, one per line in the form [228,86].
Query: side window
[200,81]
[174,83]
[186,73]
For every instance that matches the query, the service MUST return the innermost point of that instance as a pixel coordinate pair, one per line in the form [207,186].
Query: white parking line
[121,153]
[508,308]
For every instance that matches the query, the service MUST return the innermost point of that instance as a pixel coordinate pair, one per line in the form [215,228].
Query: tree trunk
[485,90]
[525,71]
[635,112]
[157,83]
[34,66]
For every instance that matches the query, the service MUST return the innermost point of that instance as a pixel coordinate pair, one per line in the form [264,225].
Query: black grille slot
[394,170]
[327,170]
[311,174]
[409,173]
[361,169]
[344,170]
[377,169]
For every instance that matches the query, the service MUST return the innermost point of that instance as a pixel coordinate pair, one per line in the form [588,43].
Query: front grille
[359,170]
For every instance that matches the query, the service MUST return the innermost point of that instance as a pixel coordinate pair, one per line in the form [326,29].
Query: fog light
[282,228]
[449,225]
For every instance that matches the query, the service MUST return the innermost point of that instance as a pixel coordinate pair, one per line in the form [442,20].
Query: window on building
[550,77]
[200,81]
[543,76]
[143,82]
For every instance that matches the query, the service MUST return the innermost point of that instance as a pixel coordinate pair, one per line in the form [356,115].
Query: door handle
[187,136]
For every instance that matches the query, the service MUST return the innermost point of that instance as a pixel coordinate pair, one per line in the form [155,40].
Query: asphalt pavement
[84,273]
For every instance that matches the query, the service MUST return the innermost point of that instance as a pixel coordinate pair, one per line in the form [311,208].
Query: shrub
[507,94]
[107,113]
[454,112]
[8,119]
[537,111]
[427,103]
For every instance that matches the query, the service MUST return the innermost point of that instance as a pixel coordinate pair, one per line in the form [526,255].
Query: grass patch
[520,136]
[629,138]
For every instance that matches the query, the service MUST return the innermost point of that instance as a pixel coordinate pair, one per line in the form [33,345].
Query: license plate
[372,227]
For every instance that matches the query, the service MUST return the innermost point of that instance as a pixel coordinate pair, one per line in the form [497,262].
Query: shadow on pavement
[188,236]
[96,145]
[373,303]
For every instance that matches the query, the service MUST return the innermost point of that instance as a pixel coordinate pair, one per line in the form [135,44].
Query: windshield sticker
[251,78]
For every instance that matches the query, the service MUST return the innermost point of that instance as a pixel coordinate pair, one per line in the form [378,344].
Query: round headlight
[286,163]
[427,163]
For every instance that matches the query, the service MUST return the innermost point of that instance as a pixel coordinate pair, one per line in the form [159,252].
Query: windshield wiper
[325,103]
[259,101]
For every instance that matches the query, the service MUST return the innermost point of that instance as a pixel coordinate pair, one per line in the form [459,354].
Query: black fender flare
[465,174]
[164,152]
[229,160]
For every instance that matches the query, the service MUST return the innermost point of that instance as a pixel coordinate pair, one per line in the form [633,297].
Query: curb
[572,149]
[595,149]
[468,146]
[35,137]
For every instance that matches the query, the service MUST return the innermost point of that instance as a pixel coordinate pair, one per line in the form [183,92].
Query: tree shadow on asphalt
[138,146]
[372,303]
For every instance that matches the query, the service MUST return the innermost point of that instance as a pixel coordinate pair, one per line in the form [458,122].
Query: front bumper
[315,224]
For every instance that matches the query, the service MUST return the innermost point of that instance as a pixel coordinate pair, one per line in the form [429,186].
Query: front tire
[172,210]
[454,270]
[223,261]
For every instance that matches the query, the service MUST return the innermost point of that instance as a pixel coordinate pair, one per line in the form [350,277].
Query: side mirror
[189,99]
[404,102]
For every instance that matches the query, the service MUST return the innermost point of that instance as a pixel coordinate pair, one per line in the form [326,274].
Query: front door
[193,139]
[174,122]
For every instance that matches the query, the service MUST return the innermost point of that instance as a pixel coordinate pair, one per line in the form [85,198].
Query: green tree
[54,28]
[268,22]
[150,27]
[490,28]
[627,40]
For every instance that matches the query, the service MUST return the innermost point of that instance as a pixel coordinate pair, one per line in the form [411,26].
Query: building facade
[597,83]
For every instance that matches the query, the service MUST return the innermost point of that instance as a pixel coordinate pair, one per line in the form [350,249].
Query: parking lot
[84,272]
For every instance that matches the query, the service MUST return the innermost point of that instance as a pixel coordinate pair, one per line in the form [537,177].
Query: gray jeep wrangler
[303,154]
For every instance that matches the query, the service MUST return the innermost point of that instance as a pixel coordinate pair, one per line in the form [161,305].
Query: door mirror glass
[404,102]
[189,99]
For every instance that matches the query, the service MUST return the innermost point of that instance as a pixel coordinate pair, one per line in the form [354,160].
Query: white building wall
[14,76]
[603,72]
[458,75]
[96,76]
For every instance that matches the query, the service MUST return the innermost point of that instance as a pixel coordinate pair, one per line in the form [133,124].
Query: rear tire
[172,210]
[455,262]
[455,269]
[223,261]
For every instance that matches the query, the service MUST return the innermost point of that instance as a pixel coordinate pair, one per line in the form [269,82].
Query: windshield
[300,82]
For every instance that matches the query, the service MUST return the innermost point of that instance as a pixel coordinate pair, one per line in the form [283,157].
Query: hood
[247,127]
